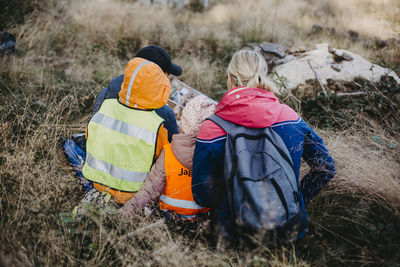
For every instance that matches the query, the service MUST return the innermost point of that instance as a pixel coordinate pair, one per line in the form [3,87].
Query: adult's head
[159,56]
[195,112]
[248,68]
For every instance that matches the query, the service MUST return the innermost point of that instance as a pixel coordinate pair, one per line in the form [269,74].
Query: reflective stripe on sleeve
[185,204]
[128,94]
[137,177]
[125,128]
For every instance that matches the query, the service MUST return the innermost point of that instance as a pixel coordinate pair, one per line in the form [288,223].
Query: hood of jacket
[182,146]
[253,107]
[145,85]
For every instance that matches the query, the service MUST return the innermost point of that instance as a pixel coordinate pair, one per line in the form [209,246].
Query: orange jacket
[177,194]
[145,87]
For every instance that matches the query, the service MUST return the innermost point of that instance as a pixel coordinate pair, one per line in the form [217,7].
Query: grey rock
[298,71]
[330,49]
[347,56]
[339,55]
[284,60]
[270,59]
[336,67]
[297,50]
[274,48]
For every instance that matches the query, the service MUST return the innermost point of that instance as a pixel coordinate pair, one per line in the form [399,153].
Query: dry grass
[368,17]
[71,49]
[356,218]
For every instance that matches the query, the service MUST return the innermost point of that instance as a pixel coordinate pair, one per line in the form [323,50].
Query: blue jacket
[112,90]
[256,108]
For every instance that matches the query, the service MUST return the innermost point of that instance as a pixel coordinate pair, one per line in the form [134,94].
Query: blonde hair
[248,68]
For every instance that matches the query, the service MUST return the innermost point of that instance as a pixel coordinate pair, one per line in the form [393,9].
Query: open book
[181,93]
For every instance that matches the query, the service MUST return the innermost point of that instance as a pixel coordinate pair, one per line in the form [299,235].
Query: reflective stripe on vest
[120,146]
[185,204]
[119,173]
[177,195]
[125,128]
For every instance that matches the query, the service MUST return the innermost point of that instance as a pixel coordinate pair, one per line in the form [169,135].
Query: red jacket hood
[253,107]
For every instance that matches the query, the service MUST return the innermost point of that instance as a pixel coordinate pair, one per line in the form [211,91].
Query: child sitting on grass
[170,177]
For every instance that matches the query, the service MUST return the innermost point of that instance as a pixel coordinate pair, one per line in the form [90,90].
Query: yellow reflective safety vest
[177,195]
[121,145]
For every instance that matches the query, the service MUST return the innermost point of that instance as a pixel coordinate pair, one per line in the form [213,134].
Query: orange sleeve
[162,139]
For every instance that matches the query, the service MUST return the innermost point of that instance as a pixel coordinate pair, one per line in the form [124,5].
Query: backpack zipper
[281,197]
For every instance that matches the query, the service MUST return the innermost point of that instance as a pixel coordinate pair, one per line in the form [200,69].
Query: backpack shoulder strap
[225,125]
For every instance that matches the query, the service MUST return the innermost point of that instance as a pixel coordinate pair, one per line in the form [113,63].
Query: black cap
[159,56]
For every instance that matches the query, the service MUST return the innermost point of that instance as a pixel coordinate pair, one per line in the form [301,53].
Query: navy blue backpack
[261,185]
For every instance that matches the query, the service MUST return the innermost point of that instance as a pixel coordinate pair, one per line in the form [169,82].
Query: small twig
[289,93]
[351,94]
[282,81]
[146,228]
[318,79]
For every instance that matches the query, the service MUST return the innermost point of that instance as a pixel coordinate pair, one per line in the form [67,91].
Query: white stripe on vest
[137,177]
[125,128]
[185,204]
